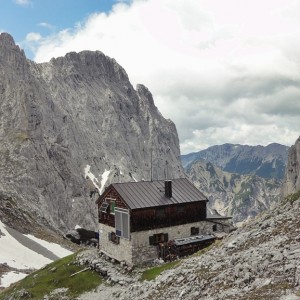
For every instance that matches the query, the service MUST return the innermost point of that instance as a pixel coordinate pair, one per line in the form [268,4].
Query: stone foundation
[138,250]
[121,251]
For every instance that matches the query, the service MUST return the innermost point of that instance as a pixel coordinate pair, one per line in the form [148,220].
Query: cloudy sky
[223,71]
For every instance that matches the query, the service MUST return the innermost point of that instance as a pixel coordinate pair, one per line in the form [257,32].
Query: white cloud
[46,25]
[23,2]
[222,71]
[33,37]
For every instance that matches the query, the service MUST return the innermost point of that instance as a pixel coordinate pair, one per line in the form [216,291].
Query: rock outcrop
[239,196]
[291,183]
[72,126]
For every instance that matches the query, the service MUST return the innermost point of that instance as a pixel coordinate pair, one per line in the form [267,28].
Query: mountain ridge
[231,194]
[73,124]
[265,161]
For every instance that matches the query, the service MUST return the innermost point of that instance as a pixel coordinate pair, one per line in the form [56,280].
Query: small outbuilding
[140,221]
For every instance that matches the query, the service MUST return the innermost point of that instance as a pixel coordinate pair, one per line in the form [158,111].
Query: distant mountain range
[240,181]
[265,161]
[231,194]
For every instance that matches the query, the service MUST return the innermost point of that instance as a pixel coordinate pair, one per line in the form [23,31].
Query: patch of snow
[8,278]
[54,248]
[219,207]
[18,256]
[88,173]
[77,227]
[103,180]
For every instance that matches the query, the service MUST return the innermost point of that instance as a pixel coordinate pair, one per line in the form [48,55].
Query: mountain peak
[77,115]
[91,64]
[10,53]
[7,39]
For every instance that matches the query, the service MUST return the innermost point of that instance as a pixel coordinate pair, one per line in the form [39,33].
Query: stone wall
[143,252]
[121,251]
[138,250]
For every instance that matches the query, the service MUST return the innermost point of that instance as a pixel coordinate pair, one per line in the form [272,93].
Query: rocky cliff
[70,126]
[291,183]
[267,162]
[231,194]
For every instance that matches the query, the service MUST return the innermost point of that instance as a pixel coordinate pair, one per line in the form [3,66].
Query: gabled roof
[145,194]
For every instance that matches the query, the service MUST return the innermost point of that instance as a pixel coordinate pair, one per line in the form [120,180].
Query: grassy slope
[53,276]
[152,273]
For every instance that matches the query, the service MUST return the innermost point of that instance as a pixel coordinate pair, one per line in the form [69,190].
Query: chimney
[168,188]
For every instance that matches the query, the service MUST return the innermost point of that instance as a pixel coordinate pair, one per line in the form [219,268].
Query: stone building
[141,221]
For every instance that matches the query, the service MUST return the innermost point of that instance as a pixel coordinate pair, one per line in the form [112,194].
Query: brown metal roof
[152,193]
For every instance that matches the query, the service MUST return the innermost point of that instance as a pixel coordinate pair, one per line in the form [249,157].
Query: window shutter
[166,237]
[151,240]
[122,225]
[118,221]
[112,207]
[125,226]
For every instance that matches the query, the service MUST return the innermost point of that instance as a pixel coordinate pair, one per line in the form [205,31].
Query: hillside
[239,196]
[257,261]
[69,126]
[266,162]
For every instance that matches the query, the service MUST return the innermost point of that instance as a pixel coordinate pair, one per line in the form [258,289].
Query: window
[122,223]
[214,227]
[103,207]
[112,206]
[113,238]
[194,230]
[158,238]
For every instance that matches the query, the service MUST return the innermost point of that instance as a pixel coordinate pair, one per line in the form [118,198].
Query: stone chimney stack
[168,188]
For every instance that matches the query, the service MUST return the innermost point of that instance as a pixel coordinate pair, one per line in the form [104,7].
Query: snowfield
[25,252]
[54,248]
[8,278]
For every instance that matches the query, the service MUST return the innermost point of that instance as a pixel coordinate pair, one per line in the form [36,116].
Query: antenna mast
[151,171]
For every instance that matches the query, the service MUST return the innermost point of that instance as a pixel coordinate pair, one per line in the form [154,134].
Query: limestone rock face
[72,125]
[231,194]
[291,182]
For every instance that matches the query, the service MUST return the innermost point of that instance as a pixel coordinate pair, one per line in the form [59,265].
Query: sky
[222,71]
